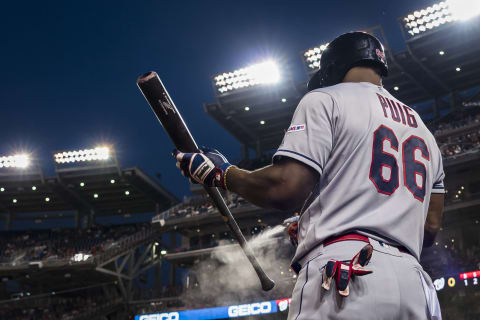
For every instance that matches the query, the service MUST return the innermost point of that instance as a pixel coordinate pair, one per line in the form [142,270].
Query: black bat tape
[167,113]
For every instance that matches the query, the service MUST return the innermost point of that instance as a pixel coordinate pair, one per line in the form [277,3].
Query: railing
[439,134]
[169,215]
[83,258]
[463,153]
[124,244]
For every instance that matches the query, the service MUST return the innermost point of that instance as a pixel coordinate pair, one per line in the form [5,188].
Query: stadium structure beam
[9,215]
[131,263]
[127,267]
[113,273]
[63,191]
[141,259]
[84,207]
[246,131]
[417,60]
[124,262]
[8,221]
[49,216]
[147,267]
[131,174]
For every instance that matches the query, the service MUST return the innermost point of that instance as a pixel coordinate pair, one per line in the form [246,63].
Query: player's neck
[363,74]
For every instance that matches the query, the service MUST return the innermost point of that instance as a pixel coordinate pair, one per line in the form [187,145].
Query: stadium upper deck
[434,75]
[88,184]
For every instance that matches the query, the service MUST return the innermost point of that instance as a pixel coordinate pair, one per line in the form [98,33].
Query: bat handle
[266,282]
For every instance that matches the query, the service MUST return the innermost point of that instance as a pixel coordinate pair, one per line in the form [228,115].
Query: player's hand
[207,167]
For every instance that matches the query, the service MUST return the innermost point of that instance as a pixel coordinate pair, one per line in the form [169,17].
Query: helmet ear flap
[329,76]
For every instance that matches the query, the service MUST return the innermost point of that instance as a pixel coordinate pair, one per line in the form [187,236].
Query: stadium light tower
[20,161]
[311,57]
[264,73]
[96,154]
[464,9]
[20,164]
[439,14]
[100,156]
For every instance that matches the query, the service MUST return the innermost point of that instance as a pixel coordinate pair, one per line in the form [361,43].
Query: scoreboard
[465,279]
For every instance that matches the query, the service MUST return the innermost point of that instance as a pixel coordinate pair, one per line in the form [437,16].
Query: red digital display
[469,275]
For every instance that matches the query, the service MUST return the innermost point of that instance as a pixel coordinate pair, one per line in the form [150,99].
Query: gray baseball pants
[397,289]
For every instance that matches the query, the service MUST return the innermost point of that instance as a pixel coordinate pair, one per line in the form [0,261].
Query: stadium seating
[62,308]
[17,247]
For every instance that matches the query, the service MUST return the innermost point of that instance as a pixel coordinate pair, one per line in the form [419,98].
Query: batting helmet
[345,52]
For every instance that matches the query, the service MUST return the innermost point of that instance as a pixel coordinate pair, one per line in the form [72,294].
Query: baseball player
[368,177]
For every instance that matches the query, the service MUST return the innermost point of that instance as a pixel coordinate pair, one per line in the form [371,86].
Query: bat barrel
[167,113]
[146,76]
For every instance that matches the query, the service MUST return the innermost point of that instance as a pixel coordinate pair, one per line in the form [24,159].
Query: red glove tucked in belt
[344,271]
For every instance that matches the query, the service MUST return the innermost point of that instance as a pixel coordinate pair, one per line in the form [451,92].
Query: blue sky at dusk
[68,68]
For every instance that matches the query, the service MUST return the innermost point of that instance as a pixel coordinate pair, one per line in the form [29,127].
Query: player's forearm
[263,187]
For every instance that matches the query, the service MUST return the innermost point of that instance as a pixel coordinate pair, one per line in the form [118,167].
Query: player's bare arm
[434,219]
[284,185]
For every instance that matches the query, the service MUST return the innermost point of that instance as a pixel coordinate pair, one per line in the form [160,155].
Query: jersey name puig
[398,112]
[402,160]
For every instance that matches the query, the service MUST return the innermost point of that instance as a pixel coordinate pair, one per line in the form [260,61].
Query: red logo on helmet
[380,54]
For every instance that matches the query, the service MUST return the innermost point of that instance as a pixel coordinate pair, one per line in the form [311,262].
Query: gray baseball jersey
[378,165]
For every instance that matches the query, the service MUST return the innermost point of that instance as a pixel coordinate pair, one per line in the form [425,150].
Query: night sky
[68,68]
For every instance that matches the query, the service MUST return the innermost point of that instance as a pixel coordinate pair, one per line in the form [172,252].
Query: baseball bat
[167,113]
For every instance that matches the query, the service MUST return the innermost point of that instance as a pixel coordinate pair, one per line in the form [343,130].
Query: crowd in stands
[194,206]
[457,134]
[47,245]
[451,123]
[58,309]
[454,146]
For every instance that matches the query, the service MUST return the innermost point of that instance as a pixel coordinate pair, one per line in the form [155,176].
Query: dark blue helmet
[345,52]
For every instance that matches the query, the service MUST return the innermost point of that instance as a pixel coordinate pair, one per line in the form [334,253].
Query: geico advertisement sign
[161,316]
[251,309]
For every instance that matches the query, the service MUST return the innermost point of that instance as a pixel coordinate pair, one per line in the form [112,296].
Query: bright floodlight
[464,9]
[99,153]
[16,161]
[312,56]
[439,14]
[266,72]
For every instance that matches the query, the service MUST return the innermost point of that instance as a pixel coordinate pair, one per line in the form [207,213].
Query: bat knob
[268,284]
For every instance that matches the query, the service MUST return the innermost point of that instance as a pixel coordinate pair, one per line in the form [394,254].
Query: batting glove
[343,271]
[291,228]
[207,167]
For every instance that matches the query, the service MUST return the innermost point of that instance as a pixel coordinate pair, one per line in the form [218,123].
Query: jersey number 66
[411,168]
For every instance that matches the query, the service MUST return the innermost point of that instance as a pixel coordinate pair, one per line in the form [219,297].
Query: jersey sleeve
[438,186]
[309,139]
